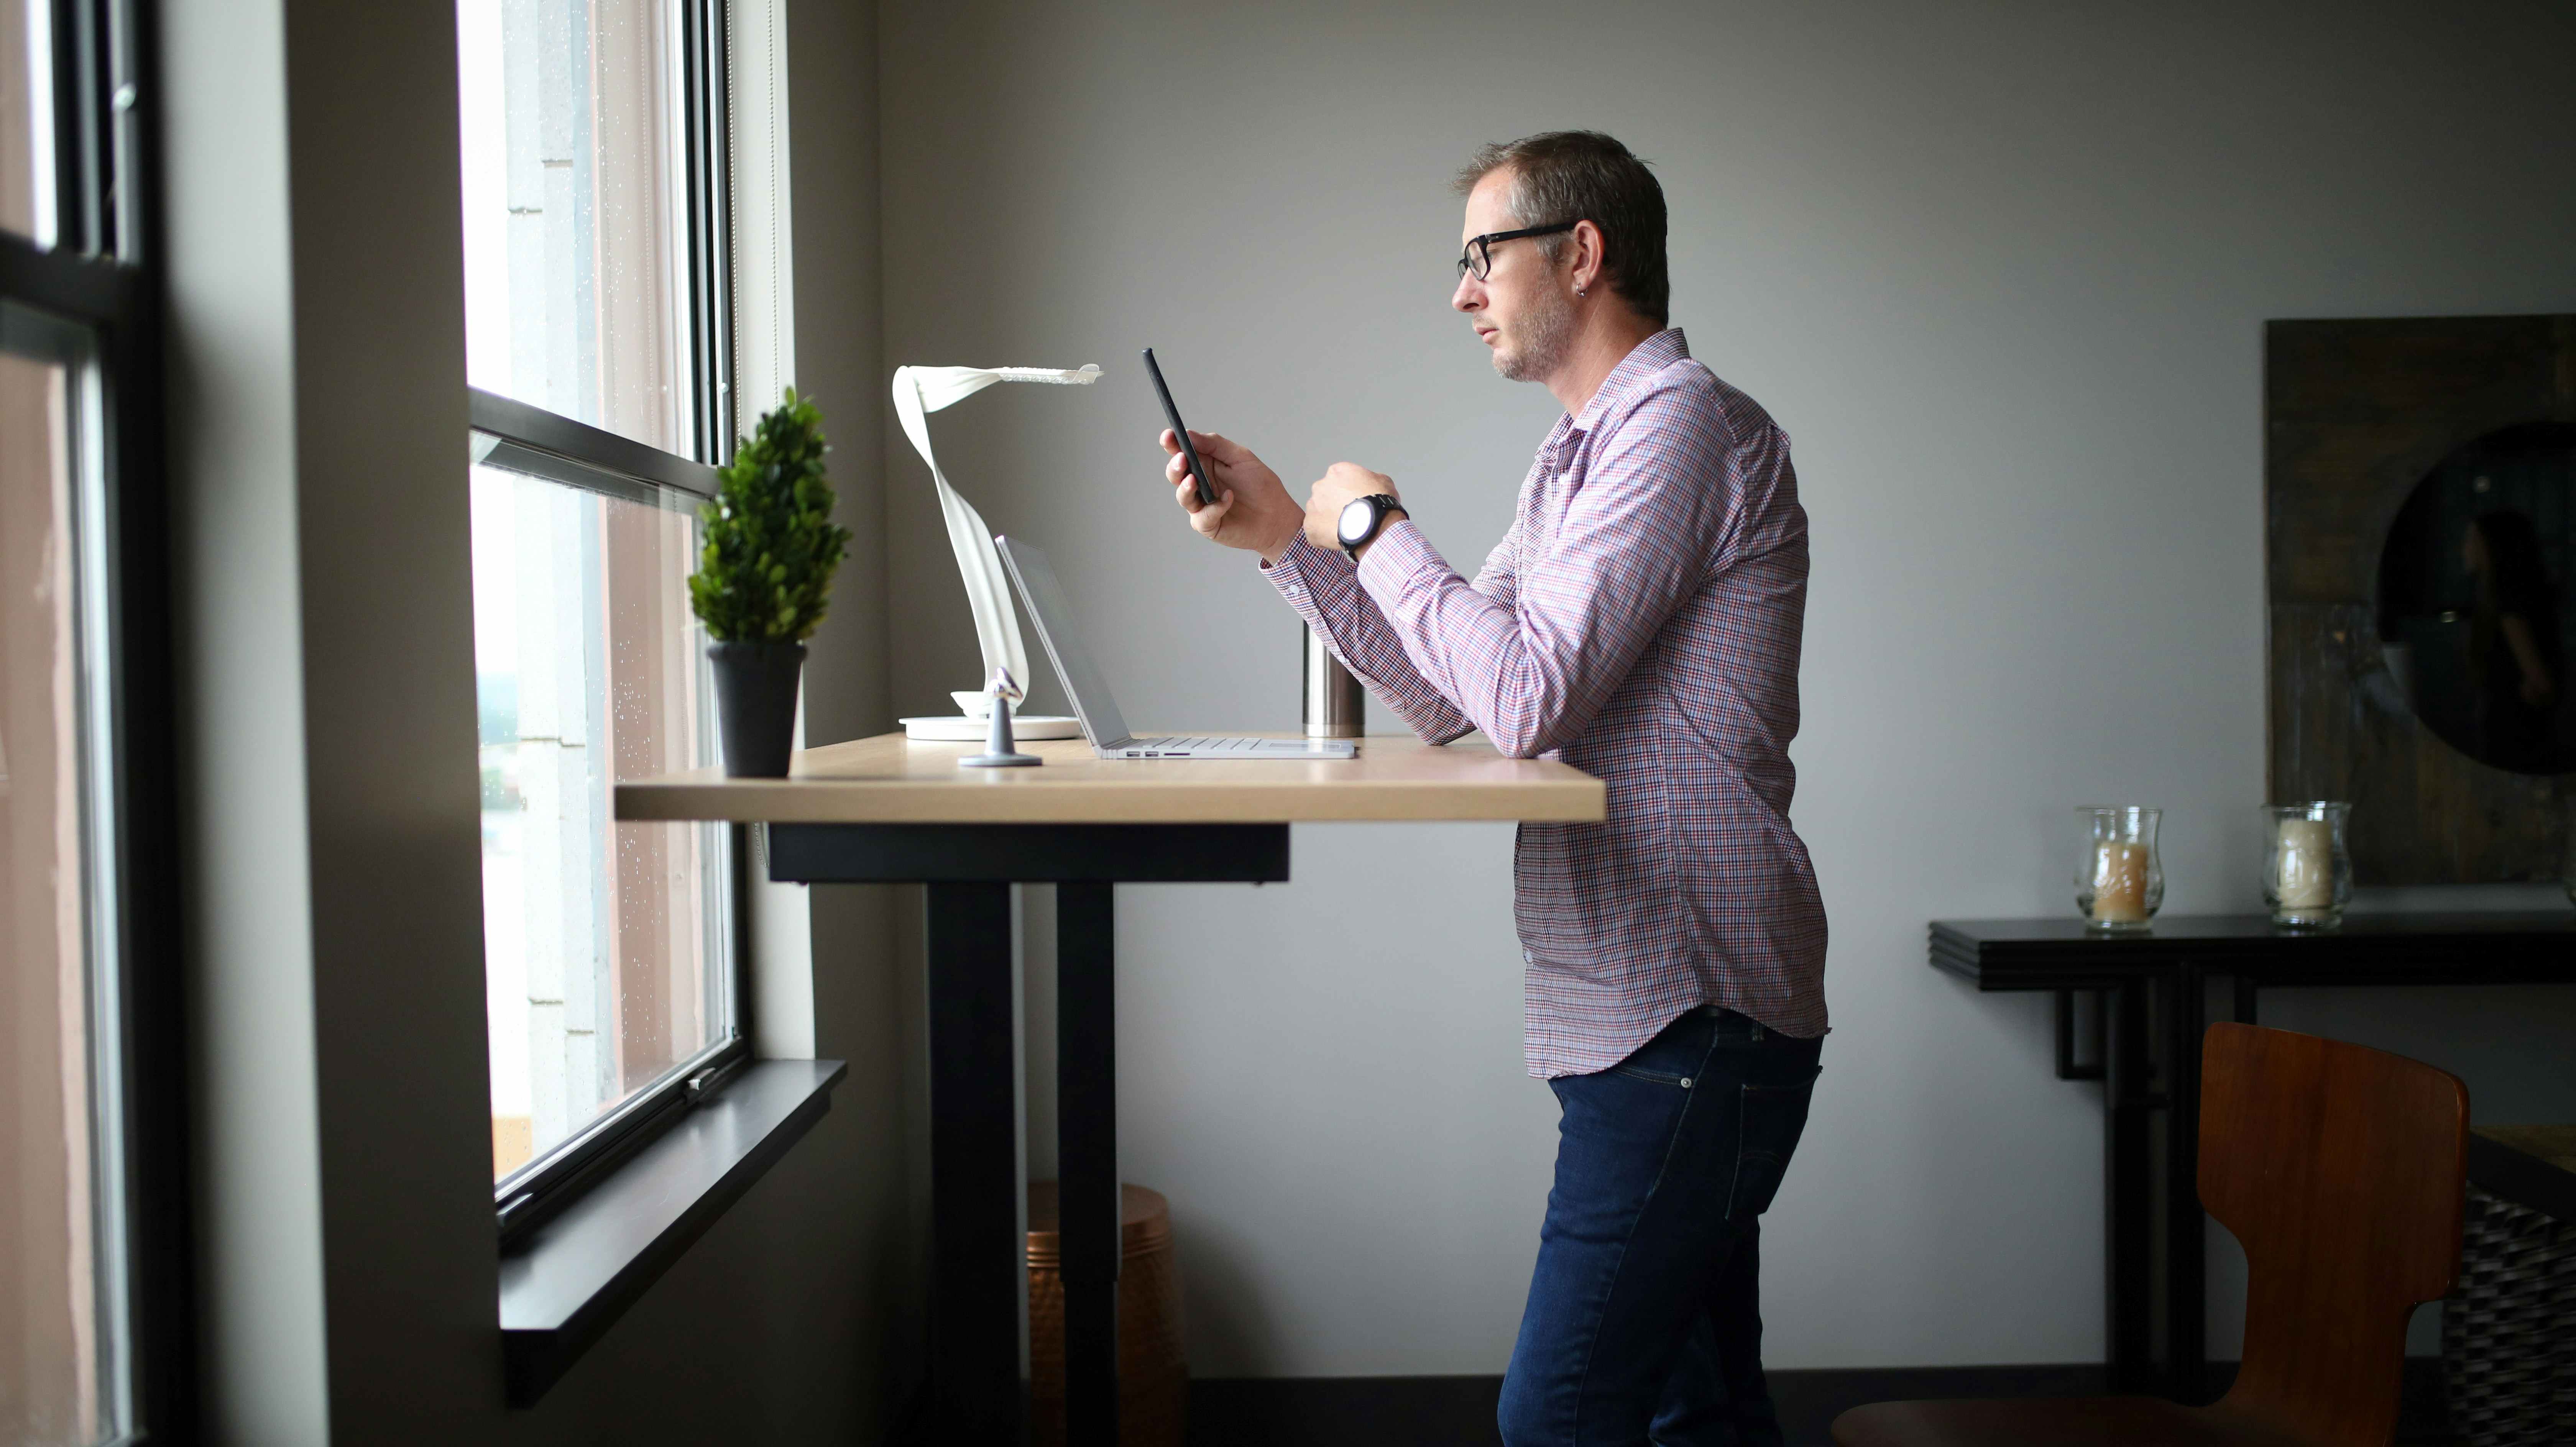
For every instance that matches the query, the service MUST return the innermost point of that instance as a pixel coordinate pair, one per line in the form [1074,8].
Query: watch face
[1357,516]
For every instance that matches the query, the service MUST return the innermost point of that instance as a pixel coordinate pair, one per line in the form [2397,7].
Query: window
[591,245]
[92,1220]
[606,945]
[63,1337]
[594,250]
[27,120]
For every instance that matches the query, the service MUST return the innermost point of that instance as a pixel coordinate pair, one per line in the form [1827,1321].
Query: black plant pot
[756,705]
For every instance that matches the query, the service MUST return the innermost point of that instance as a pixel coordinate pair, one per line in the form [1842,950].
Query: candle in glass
[2120,884]
[2307,878]
[2307,864]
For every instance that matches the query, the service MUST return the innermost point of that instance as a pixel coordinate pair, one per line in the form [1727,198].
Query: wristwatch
[1363,519]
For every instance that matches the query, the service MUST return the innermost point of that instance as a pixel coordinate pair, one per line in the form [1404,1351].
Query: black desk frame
[979,1286]
[2149,992]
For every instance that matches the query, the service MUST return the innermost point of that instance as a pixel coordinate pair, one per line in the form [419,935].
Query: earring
[1578,291]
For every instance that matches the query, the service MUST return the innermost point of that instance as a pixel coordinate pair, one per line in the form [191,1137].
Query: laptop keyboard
[1195,744]
[1215,746]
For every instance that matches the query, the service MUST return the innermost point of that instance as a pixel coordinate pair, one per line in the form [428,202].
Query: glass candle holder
[2121,882]
[2307,868]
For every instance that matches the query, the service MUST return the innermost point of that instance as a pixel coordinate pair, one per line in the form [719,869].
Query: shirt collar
[1649,357]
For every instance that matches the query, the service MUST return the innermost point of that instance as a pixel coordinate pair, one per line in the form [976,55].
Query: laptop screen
[1092,701]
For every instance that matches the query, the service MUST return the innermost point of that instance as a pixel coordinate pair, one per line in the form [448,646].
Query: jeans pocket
[1770,1118]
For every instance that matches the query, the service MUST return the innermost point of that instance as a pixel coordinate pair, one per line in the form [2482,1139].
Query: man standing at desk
[1640,620]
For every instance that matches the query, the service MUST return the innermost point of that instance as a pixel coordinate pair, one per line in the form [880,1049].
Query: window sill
[573,1276]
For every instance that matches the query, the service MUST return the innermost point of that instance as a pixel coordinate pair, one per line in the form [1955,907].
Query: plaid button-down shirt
[1641,622]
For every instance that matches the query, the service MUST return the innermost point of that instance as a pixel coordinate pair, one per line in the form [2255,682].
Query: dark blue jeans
[1644,1321]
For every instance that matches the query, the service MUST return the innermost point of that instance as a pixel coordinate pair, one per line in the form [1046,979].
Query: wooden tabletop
[890,779]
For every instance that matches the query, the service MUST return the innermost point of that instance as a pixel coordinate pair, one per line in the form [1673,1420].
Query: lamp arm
[919,391]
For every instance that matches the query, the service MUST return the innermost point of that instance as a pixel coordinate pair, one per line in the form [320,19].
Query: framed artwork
[2420,548]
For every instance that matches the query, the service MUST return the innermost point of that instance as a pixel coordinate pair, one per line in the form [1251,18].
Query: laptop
[1092,701]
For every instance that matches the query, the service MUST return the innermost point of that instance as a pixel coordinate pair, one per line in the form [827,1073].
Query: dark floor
[1459,1411]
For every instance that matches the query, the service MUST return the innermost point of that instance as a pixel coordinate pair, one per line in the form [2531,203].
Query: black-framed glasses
[1478,259]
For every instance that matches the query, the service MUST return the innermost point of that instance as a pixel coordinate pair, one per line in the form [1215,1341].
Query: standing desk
[889,810]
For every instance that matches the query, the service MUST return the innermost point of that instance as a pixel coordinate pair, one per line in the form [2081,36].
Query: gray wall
[347,1262]
[2000,269]
[231,378]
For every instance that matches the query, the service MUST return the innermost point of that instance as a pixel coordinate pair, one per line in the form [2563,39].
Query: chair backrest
[2341,1169]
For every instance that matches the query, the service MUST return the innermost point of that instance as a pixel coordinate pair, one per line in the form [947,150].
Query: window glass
[604,942]
[26,120]
[61,1325]
[576,289]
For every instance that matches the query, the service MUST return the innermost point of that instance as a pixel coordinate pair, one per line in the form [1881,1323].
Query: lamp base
[962,730]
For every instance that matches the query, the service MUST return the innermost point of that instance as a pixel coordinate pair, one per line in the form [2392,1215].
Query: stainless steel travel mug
[1336,703]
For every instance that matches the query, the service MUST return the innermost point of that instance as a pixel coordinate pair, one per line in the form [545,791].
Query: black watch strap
[1380,505]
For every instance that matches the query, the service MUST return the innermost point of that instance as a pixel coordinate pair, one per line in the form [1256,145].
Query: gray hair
[1587,176]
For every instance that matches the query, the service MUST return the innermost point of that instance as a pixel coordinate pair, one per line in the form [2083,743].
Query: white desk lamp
[919,391]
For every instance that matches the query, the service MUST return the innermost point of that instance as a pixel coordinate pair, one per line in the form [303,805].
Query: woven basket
[2509,1330]
[1153,1380]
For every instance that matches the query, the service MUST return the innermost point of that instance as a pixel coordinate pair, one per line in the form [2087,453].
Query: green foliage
[765,574]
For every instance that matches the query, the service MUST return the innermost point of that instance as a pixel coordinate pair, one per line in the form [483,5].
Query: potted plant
[764,580]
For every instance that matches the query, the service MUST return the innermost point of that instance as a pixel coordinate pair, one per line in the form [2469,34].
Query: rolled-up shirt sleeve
[1643,533]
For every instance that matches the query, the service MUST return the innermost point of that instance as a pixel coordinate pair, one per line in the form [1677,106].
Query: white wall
[2001,270]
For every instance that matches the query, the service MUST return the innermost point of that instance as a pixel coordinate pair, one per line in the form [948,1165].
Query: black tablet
[1172,414]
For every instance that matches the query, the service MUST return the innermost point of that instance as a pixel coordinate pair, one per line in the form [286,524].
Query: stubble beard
[1547,333]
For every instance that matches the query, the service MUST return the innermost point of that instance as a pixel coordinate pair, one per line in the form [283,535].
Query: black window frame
[101,275]
[523,437]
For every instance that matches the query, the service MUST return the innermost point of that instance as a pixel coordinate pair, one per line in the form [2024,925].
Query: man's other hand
[1252,511]
[1332,493]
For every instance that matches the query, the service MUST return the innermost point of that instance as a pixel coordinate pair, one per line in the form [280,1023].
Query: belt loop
[1757,1032]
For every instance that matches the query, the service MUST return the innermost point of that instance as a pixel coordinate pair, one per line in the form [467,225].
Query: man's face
[1520,310]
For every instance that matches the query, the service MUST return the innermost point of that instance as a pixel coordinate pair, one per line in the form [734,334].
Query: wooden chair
[2341,1170]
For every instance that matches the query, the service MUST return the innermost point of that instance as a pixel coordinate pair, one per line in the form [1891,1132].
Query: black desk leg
[2246,987]
[2128,1196]
[1087,1148]
[979,1281]
[2186,1236]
